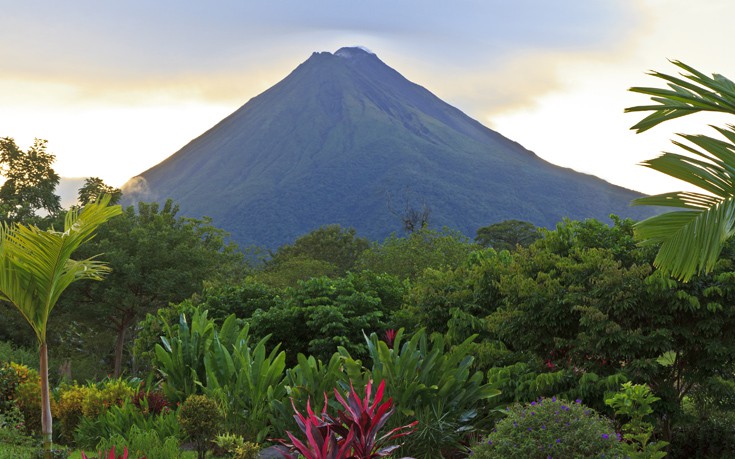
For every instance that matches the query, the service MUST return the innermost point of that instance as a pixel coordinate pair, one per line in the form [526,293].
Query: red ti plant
[390,337]
[321,439]
[354,434]
[363,419]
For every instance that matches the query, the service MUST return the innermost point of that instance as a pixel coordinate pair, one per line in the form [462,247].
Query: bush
[111,393]
[200,417]
[550,428]
[70,409]
[118,420]
[12,428]
[710,436]
[148,445]
[28,399]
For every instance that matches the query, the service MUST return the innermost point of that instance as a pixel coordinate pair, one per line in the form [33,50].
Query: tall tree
[157,258]
[95,187]
[30,181]
[35,269]
[507,235]
[692,237]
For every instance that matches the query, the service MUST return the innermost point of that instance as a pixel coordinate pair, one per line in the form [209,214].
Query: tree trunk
[119,345]
[46,421]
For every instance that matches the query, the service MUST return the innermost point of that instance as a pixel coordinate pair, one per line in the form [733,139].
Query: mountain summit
[346,139]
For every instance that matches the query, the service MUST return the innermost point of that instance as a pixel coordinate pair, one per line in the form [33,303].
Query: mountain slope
[346,139]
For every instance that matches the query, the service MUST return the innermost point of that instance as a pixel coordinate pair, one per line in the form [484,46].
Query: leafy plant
[354,433]
[431,383]
[634,402]
[143,444]
[118,420]
[550,427]
[200,418]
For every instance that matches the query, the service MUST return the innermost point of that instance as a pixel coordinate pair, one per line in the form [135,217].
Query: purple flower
[489,442]
[578,401]
[558,440]
[605,436]
[553,399]
[533,403]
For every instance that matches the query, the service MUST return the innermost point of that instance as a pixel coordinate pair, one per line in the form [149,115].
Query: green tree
[691,238]
[507,235]
[331,243]
[94,187]
[408,257]
[157,258]
[35,269]
[30,182]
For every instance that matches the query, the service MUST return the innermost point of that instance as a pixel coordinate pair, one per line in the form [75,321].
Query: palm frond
[36,266]
[691,241]
[693,93]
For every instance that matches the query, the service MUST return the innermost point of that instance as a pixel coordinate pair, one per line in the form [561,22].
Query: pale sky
[116,87]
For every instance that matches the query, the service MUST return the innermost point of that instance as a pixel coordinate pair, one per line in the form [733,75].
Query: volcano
[346,139]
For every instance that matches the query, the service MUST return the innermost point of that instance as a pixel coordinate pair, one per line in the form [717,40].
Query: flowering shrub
[550,428]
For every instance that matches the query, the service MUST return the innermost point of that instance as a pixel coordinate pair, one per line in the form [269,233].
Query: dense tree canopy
[157,258]
[29,182]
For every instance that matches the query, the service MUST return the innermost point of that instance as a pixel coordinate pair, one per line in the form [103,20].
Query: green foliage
[246,381]
[408,257]
[94,188]
[321,314]
[225,444]
[142,444]
[181,358]
[332,244]
[430,383]
[12,428]
[157,258]
[118,420]
[633,402]
[691,238]
[9,352]
[550,427]
[247,450]
[507,235]
[709,435]
[30,182]
[200,418]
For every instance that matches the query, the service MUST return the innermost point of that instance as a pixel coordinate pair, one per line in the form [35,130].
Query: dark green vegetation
[346,139]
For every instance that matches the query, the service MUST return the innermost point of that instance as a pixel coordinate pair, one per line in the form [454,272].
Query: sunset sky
[116,87]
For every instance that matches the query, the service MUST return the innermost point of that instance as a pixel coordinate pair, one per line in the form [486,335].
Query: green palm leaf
[691,238]
[37,266]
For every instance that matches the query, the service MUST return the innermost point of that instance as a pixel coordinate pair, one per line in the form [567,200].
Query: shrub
[708,436]
[150,402]
[200,417]
[9,381]
[111,393]
[118,420]
[247,450]
[634,401]
[28,399]
[550,428]
[70,409]
[143,444]
[432,384]
[226,443]
[12,428]
[354,433]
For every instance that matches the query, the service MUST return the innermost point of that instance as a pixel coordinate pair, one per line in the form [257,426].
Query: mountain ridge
[344,134]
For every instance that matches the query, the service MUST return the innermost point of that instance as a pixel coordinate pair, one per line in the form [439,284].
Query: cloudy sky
[116,87]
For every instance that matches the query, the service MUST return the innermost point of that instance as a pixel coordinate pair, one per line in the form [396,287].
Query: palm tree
[692,237]
[36,267]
